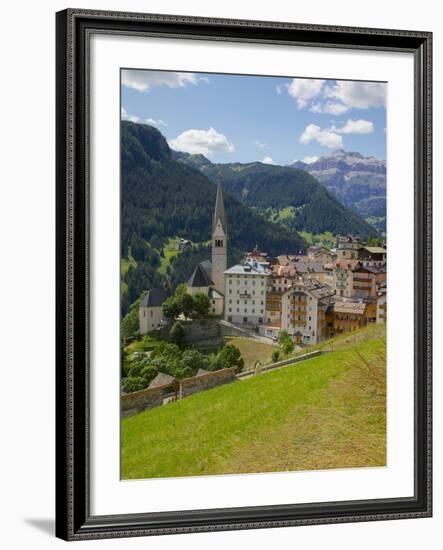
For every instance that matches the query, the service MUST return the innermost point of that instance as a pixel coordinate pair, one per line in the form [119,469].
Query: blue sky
[242,118]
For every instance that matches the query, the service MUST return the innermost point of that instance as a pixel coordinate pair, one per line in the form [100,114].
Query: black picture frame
[74,28]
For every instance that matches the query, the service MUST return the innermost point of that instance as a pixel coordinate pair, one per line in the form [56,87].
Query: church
[208,276]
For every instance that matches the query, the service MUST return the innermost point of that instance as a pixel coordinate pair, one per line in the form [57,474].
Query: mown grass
[252,350]
[328,412]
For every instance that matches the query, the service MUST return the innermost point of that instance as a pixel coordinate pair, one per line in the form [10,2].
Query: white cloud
[205,142]
[325,137]
[356,127]
[310,159]
[259,144]
[126,116]
[143,81]
[154,122]
[357,95]
[329,107]
[267,160]
[279,88]
[304,89]
[337,98]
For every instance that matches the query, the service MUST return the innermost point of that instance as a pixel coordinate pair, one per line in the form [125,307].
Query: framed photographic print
[243,274]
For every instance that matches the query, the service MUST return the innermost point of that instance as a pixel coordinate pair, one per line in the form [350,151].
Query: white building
[303,310]
[245,293]
[150,311]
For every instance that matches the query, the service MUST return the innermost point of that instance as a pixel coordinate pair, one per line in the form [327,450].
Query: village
[313,297]
[304,298]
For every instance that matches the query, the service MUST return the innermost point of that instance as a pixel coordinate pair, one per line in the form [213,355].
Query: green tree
[285,341]
[177,333]
[195,360]
[171,308]
[275,355]
[201,304]
[131,384]
[186,304]
[130,322]
[230,356]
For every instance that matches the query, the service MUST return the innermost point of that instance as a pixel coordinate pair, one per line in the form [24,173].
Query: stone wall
[204,334]
[138,401]
[188,386]
[283,363]
[135,402]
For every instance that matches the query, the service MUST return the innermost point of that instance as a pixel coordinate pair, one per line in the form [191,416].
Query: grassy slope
[252,350]
[169,252]
[328,412]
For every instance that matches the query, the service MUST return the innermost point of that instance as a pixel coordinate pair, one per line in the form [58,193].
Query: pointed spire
[219,211]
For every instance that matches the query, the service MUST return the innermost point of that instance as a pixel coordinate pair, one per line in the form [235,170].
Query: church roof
[199,277]
[154,298]
[219,211]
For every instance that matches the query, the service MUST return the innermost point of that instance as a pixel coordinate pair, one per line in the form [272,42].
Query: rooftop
[162,379]
[200,277]
[247,268]
[358,308]
[154,298]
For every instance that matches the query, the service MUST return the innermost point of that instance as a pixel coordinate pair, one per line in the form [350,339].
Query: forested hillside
[272,189]
[162,198]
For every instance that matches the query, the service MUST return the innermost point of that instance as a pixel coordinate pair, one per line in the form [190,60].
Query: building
[219,242]
[373,255]
[342,279]
[150,311]
[366,279]
[245,293]
[162,379]
[182,244]
[349,315]
[208,276]
[200,282]
[381,304]
[303,310]
[320,254]
[348,247]
[273,311]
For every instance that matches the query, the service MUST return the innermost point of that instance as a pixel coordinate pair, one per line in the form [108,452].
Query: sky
[243,118]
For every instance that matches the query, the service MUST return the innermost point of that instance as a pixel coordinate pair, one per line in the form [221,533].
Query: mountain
[284,194]
[357,181]
[162,198]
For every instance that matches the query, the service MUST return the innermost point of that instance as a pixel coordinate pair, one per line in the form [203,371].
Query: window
[230,301]
[230,309]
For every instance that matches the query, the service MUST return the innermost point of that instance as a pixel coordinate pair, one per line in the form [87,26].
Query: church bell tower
[219,242]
